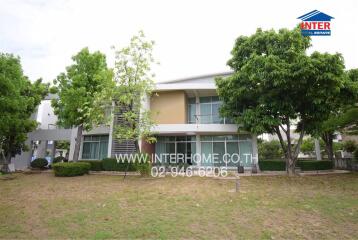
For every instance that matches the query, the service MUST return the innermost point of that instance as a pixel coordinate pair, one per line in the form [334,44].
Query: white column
[317,149]
[72,143]
[198,147]
[110,137]
[255,155]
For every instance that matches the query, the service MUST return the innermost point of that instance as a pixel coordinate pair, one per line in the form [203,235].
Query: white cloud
[192,37]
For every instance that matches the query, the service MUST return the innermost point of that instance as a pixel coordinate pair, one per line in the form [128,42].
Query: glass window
[205,99]
[95,147]
[230,145]
[205,113]
[192,113]
[206,152]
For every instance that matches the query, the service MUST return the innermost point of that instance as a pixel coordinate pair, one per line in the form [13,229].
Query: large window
[185,145]
[209,111]
[95,147]
[235,146]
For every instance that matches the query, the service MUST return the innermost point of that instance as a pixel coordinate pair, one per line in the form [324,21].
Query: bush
[270,150]
[39,163]
[309,165]
[96,165]
[144,168]
[272,165]
[59,159]
[70,169]
[111,164]
[305,165]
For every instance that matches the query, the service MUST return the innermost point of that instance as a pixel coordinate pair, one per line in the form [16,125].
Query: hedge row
[305,165]
[96,165]
[70,169]
[111,164]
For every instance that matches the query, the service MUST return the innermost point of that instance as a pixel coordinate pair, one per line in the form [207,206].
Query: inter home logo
[315,23]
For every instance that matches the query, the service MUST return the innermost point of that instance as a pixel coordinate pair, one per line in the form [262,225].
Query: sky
[192,37]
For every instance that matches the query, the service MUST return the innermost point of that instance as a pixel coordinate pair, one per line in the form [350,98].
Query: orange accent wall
[169,107]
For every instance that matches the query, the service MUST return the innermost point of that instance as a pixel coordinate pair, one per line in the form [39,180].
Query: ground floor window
[228,150]
[185,145]
[95,147]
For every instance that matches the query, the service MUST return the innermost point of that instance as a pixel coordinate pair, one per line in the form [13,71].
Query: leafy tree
[18,100]
[270,149]
[80,90]
[275,84]
[134,82]
[343,116]
[307,145]
[350,146]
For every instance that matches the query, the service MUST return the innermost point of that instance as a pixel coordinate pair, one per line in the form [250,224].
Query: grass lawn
[99,207]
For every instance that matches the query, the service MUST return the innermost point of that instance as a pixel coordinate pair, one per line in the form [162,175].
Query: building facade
[188,123]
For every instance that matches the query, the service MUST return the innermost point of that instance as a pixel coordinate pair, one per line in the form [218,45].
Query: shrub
[305,165]
[270,150]
[111,164]
[70,169]
[309,165]
[59,159]
[39,163]
[272,165]
[96,165]
[144,168]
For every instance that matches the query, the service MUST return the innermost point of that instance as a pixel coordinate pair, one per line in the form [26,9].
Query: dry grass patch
[94,206]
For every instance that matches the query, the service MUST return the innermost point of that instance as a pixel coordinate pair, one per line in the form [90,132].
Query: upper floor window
[209,111]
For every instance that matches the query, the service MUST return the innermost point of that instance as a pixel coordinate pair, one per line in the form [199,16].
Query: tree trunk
[76,153]
[7,159]
[328,140]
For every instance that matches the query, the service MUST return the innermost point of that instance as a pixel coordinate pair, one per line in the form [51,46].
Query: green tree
[275,84]
[343,116]
[18,100]
[270,149]
[81,90]
[134,83]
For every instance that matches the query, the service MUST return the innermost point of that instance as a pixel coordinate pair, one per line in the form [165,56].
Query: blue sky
[192,37]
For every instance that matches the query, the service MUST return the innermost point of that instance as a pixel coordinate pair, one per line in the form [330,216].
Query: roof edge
[197,77]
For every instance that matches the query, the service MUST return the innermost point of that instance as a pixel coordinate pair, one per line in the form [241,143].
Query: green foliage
[83,98]
[272,165]
[19,98]
[39,163]
[134,82]
[349,146]
[144,168]
[70,169]
[130,165]
[96,165]
[111,164]
[63,145]
[307,145]
[275,82]
[308,165]
[305,165]
[58,159]
[270,150]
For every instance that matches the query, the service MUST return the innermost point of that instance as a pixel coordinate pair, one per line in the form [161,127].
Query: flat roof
[197,77]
